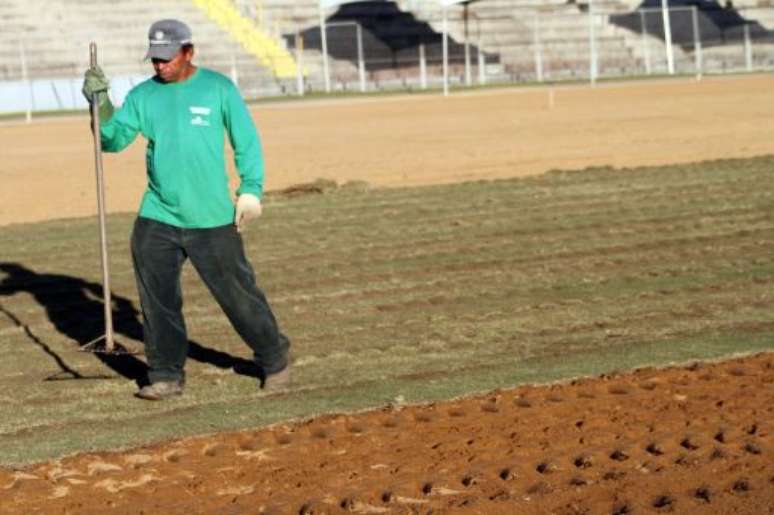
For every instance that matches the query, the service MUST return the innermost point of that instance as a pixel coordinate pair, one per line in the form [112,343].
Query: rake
[104,344]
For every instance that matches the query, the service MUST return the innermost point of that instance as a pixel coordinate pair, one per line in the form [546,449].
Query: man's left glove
[248,206]
[94,81]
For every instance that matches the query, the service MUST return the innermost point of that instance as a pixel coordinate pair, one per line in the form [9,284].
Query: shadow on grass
[75,307]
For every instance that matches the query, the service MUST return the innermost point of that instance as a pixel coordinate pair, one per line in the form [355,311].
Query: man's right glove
[94,81]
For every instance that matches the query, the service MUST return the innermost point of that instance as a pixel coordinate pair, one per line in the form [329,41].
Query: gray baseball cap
[166,37]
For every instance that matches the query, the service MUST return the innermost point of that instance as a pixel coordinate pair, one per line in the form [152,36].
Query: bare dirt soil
[690,439]
[47,168]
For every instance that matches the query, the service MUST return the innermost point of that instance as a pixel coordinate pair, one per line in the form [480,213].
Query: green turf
[402,295]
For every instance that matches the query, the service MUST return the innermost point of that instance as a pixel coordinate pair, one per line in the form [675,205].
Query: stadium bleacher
[55,35]
[255,40]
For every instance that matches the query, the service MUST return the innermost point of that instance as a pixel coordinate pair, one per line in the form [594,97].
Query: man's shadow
[75,307]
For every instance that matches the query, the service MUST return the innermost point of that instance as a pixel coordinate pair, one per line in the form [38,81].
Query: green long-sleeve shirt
[185,124]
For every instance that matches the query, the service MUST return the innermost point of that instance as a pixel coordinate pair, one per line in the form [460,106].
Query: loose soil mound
[694,439]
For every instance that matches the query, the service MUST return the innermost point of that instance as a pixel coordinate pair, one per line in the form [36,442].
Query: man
[184,112]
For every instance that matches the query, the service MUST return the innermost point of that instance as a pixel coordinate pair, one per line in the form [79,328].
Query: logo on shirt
[200,116]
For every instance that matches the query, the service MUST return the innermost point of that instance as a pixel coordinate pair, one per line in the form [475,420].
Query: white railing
[531,46]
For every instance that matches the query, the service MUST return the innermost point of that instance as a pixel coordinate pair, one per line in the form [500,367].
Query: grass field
[401,295]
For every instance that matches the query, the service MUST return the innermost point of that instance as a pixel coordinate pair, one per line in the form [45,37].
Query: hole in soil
[751,430]
[742,485]
[320,433]
[621,509]
[619,455]
[506,474]
[654,449]
[582,462]
[614,475]
[214,450]
[662,501]
[427,488]
[683,460]
[618,390]
[490,407]
[717,454]
[387,497]
[545,467]
[468,481]
[174,457]
[391,422]
[689,444]
[720,436]
[578,481]
[540,488]
[423,417]
[284,439]
[752,448]
[347,503]
[456,413]
[523,403]
[356,428]
[252,444]
[648,386]
[703,493]
[500,496]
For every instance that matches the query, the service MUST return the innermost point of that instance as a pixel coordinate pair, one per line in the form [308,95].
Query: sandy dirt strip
[47,168]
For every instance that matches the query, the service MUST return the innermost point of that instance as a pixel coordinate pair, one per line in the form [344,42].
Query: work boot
[277,380]
[160,390]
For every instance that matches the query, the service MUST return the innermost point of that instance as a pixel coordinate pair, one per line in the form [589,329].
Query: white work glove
[248,206]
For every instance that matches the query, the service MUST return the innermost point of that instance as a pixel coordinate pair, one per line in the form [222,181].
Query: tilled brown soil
[695,439]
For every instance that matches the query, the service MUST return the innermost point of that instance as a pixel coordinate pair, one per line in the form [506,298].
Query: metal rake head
[105,345]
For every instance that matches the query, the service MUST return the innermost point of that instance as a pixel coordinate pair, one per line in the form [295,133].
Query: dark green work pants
[159,251]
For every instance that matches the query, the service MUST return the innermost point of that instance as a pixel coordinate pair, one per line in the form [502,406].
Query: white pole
[299,63]
[445,29]
[422,67]
[697,42]
[538,49]
[668,37]
[324,39]
[645,46]
[592,46]
[481,65]
[468,76]
[25,78]
[748,57]
[360,59]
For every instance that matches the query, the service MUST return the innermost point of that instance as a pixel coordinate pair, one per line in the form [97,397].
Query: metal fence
[528,46]
[556,46]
